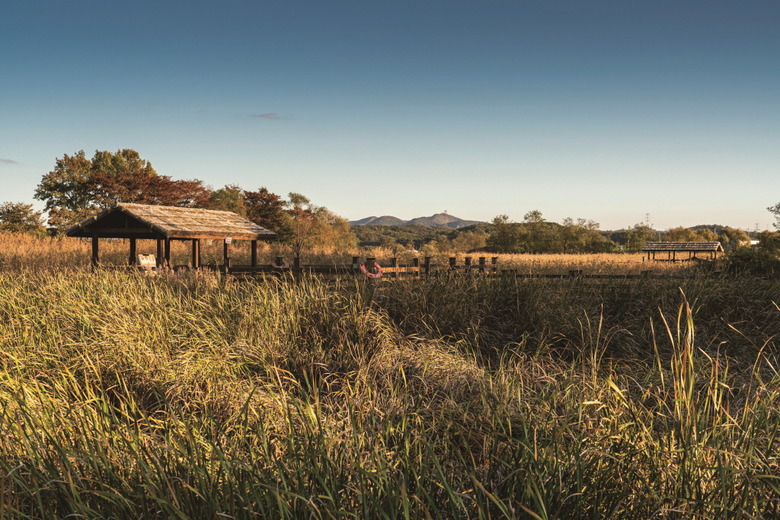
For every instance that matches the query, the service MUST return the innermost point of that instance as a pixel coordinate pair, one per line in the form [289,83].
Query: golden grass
[201,396]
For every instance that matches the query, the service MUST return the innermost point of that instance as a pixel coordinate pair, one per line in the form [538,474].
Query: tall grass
[195,396]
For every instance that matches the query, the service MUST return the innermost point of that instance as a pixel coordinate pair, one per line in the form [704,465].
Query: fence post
[467,264]
[453,263]
[394,265]
[370,261]
[427,265]
[297,265]
[481,264]
[279,261]
[416,266]
[494,264]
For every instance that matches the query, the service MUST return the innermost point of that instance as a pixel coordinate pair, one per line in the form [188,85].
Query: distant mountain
[386,220]
[439,219]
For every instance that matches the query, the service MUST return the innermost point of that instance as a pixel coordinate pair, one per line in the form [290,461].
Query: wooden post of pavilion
[254,254]
[167,253]
[196,253]
[226,253]
[160,254]
[133,249]
[95,254]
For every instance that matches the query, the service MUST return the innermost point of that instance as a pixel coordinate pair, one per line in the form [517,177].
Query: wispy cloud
[269,115]
[8,161]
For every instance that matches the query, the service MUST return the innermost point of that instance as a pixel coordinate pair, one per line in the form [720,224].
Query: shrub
[752,262]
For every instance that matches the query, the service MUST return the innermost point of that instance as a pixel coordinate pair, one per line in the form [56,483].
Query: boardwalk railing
[424,267]
[418,267]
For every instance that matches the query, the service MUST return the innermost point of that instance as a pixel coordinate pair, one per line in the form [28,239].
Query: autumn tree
[78,187]
[315,226]
[18,217]
[268,210]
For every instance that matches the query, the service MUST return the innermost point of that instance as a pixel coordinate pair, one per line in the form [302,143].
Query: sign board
[228,240]
[147,260]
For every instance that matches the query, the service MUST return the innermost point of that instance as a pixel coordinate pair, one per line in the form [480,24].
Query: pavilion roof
[127,220]
[683,246]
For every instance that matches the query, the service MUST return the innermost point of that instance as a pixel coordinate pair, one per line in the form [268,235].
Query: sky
[617,111]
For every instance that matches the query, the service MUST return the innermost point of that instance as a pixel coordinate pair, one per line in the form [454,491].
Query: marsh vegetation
[199,396]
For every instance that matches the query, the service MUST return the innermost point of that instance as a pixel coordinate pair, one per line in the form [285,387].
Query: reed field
[198,395]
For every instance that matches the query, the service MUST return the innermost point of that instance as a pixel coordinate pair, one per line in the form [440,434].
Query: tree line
[79,187]
[534,234]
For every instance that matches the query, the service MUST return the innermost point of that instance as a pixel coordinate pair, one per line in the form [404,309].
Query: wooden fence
[424,267]
[418,267]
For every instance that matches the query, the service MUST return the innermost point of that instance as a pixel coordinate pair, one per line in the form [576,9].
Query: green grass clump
[191,396]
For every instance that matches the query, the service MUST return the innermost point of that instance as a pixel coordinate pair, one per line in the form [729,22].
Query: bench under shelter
[165,224]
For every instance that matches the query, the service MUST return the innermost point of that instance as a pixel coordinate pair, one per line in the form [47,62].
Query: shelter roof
[127,220]
[683,246]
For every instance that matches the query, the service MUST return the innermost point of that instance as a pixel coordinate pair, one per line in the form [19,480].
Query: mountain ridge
[437,219]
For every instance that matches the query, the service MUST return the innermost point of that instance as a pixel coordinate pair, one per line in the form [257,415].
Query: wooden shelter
[673,248]
[167,223]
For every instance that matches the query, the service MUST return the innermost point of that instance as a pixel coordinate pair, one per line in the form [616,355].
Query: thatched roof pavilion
[672,248]
[166,223]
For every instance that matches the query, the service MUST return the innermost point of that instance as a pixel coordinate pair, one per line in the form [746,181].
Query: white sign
[228,240]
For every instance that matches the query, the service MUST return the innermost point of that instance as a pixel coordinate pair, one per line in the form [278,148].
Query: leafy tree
[681,234]
[388,242]
[638,235]
[410,235]
[580,236]
[775,210]
[18,217]
[542,235]
[769,241]
[315,226]
[505,236]
[228,198]
[706,235]
[733,238]
[66,190]
[335,232]
[267,209]
[78,187]
[466,241]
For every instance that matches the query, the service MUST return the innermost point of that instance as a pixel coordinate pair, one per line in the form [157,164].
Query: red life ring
[365,271]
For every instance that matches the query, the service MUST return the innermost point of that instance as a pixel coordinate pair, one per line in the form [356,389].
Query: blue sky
[607,110]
